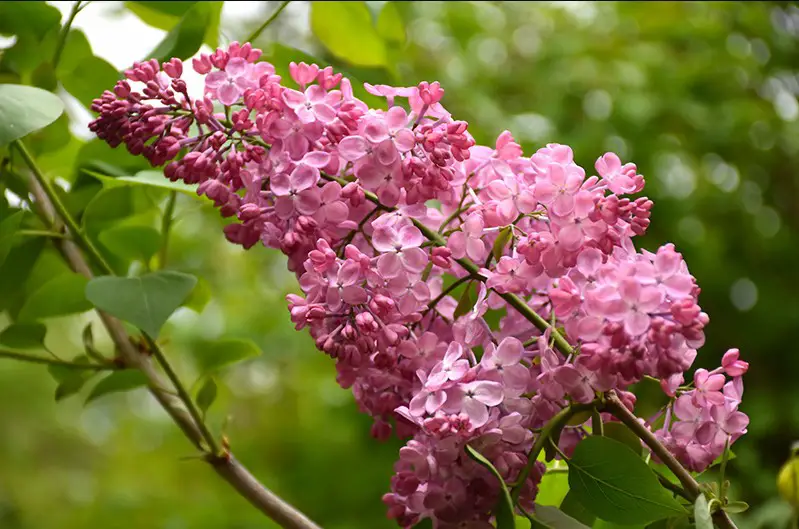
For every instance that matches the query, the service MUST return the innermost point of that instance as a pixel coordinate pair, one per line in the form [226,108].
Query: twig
[61,210]
[228,466]
[24,357]
[617,408]
[62,38]
[255,34]
[41,233]
[216,451]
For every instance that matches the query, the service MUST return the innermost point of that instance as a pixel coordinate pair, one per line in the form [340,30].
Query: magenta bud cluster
[388,215]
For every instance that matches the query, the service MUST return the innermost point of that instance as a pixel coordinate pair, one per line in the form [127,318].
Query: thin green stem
[24,357]
[723,472]
[41,233]
[62,38]
[554,425]
[183,394]
[676,489]
[597,428]
[166,225]
[446,292]
[78,235]
[255,34]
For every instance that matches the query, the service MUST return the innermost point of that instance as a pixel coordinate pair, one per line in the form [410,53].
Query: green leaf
[466,303]
[619,432]
[87,336]
[117,382]
[25,109]
[346,29]
[44,77]
[427,523]
[76,50]
[145,178]
[199,297]
[8,231]
[24,336]
[187,36]
[556,519]
[146,301]
[164,15]
[16,270]
[736,507]
[577,510]
[58,297]
[72,384]
[132,242]
[501,242]
[389,24]
[34,18]
[97,154]
[87,80]
[553,488]
[503,512]
[70,381]
[207,394]
[702,516]
[616,485]
[213,356]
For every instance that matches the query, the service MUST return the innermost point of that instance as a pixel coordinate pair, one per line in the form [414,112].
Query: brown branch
[226,466]
[617,408]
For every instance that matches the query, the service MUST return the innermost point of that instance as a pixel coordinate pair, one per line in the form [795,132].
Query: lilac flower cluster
[385,214]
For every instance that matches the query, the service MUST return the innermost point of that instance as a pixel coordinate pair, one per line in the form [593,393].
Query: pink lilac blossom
[378,209]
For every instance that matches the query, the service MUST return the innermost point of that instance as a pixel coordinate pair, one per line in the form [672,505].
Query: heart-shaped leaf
[24,336]
[146,301]
[213,356]
[25,109]
[117,382]
[614,483]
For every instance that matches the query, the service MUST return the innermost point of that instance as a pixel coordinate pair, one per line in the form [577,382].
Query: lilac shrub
[384,214]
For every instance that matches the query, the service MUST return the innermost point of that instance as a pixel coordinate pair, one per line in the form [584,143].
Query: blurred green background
[702,96]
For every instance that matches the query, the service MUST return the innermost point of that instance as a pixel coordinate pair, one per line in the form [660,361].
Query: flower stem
[62,38]
[24,357]
[255,34]
[166,225]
